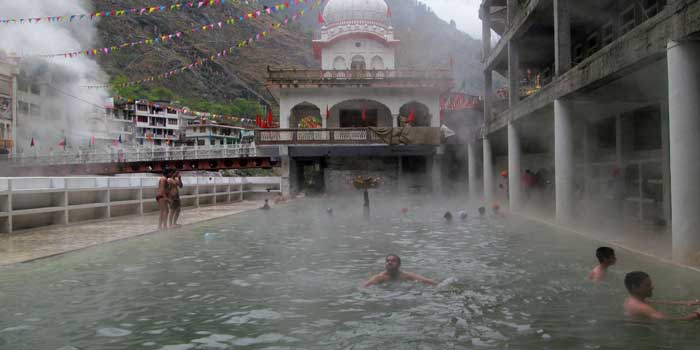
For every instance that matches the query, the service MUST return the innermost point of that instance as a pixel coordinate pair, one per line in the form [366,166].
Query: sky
[464,12]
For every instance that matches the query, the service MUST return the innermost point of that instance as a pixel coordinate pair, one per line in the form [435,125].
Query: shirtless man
[163,198]
[606,258]
[392,263]
[175,183]
[637,306]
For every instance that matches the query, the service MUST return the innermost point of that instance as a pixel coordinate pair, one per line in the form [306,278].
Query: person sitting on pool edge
[392,272]
[606,258]
[448,217]
[266,206]
[482,211]
[637,306]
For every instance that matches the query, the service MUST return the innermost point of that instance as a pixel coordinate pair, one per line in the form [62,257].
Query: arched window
[358,63]
[377,63]
[339,63]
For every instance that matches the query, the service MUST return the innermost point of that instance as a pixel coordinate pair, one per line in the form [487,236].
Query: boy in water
[606,258]
[392,272]
[637,306]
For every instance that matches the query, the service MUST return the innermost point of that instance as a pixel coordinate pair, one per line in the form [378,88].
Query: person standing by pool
[637,306]
[365,206]
[175,183]
[266,206]
[606,258]
[163,198]
[392,272]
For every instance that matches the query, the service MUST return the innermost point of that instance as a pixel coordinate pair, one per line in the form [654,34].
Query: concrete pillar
[486,30]
[488,94]
[587,169]
[514,172]
[562,37]
[395,120]
[512,9]
[618,140]
[471,165]
[488,172]
[665,165]
[513,74]
[684,128]
[563,161]
[289,175]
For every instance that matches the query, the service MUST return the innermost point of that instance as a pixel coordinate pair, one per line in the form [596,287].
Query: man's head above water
[638,284]
[392,263]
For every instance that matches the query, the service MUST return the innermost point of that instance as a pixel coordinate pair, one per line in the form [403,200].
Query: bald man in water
[392,272]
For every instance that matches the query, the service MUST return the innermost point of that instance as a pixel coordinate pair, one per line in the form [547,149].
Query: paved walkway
[37,243]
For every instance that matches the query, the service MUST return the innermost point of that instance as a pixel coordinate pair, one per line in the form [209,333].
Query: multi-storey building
[601,102]
[157,122]
[211,134]
[8,102]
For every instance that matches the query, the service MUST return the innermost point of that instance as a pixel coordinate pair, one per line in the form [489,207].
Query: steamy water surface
[288,279]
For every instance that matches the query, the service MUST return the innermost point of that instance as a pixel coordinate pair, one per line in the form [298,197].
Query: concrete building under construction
[599,115]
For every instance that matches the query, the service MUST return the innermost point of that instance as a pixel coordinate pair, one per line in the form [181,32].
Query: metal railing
[361,74]
[317,136]
[133,154]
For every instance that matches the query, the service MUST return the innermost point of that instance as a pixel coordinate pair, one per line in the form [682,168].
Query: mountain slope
[427,41]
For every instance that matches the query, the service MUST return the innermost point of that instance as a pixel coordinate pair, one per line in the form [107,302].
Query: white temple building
[358,89]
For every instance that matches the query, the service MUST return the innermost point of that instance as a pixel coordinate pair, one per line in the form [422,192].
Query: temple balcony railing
[433,77]
[349,136]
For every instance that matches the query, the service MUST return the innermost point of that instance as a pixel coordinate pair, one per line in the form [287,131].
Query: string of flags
[167,37]
[219,55]
[119,13]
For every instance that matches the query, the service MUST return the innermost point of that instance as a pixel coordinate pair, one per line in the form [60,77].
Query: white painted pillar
[514,172]
[436,175]
[684,128]
[471,164]
[488,172]
[665,165]
[563,161]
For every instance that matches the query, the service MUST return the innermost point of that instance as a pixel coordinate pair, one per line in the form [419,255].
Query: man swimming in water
[637,306]
[392,272]
[606,258]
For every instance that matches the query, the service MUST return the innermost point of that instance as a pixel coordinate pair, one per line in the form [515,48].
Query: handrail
[363,74]
[133,154]
[317,136]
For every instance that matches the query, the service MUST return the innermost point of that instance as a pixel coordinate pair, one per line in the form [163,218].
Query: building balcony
[436,78]
[349,136]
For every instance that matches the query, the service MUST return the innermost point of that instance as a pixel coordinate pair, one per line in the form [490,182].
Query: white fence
[135,154]
[39,201]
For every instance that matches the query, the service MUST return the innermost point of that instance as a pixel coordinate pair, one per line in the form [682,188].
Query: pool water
[289,279]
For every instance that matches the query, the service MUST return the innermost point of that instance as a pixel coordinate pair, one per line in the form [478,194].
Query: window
[23,107]
[605,132]
[377,63]
[607,33]
[578,53]
[353,118]
[142,108]
[142,119]
[651,7]
[592,43]
[358,63]
[339,63]
[172,121]
[34,110]
[627,19]
[647,128]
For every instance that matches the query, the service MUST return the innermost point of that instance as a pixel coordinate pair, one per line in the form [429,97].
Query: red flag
[320,18]
[328,112]
[62,143]
[364,114]
[388,11]
[270,122]
[92,140]
[31,144]
[263,124]
[411,117]
[258,121]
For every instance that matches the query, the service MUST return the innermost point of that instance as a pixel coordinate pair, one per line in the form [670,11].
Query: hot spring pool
[288,279]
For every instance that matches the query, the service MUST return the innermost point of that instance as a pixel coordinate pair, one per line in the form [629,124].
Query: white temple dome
[357,10]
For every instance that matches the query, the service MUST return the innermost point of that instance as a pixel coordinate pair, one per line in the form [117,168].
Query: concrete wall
[341,171]
[40,201]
